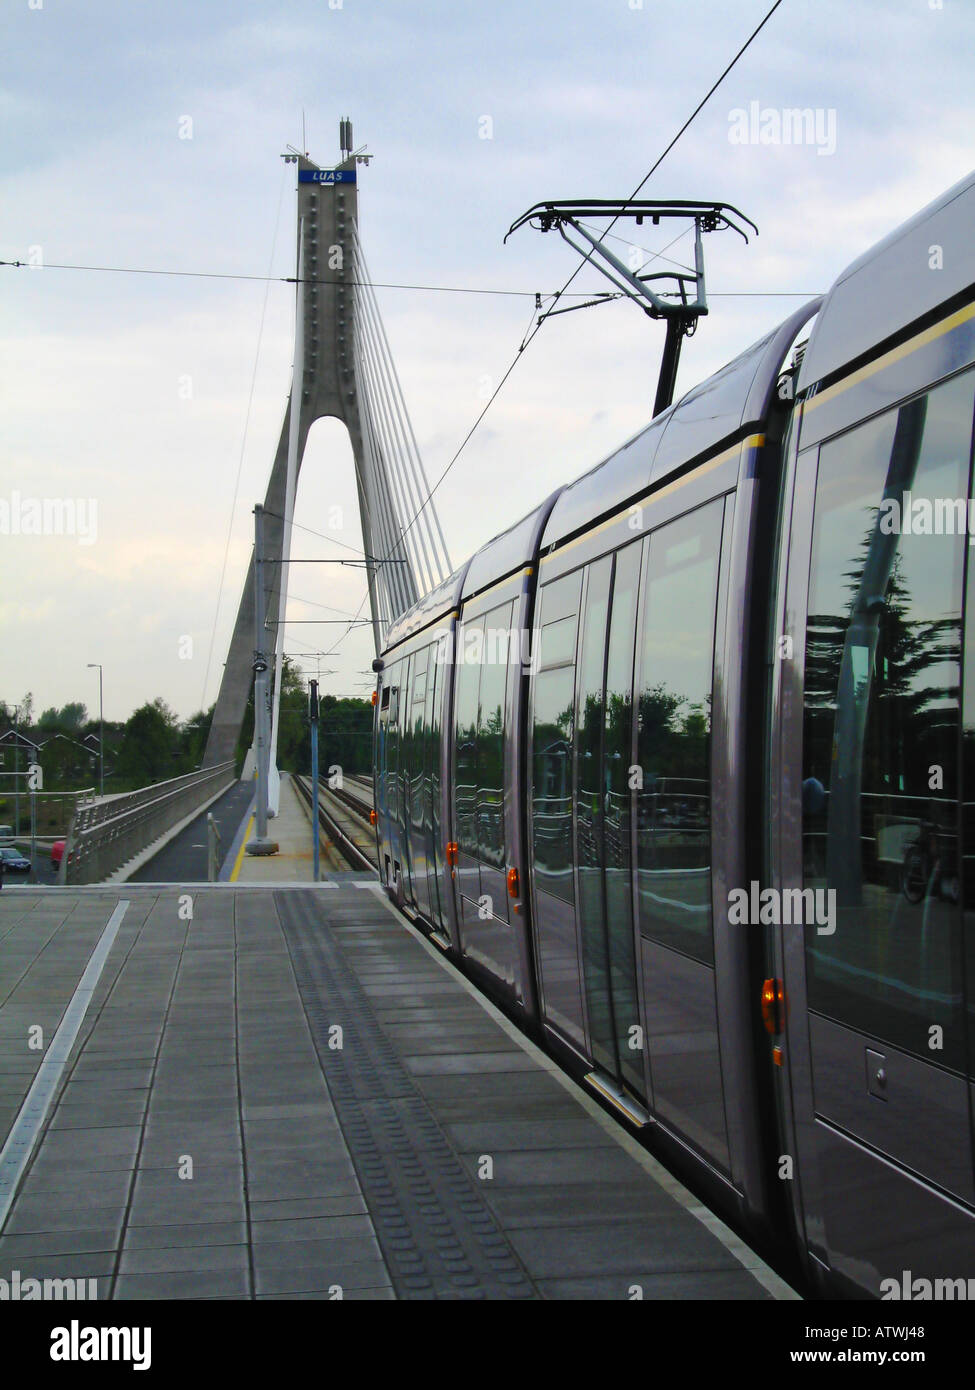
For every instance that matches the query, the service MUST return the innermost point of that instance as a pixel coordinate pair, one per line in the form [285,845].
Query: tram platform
[291,831]
[287,1093]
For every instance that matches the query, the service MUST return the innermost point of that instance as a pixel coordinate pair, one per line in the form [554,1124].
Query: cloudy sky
[155,398]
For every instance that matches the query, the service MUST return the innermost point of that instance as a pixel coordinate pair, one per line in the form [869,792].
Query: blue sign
[326,176]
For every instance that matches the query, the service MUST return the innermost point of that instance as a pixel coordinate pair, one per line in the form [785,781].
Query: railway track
[343,813]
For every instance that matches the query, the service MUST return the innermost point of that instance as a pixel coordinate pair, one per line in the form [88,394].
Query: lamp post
[101,730]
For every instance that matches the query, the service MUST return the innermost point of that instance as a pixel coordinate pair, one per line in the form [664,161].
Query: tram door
[401,780]
[416,785]
[604,905]
[882,726]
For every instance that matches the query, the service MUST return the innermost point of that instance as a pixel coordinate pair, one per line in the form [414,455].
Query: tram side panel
[634,714]
[484,820]
[872,768]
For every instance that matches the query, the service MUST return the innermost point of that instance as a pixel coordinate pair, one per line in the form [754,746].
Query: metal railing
[108,834]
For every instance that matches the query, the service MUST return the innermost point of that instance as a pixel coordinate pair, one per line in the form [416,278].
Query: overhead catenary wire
[326,280]
[639,188]
[532,334]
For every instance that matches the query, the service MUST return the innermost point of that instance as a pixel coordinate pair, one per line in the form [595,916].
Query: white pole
[294,423]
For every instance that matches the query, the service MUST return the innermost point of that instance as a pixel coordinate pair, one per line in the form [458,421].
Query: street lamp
[101,729]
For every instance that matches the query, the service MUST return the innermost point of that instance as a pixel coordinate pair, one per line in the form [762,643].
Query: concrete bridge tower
[343,368]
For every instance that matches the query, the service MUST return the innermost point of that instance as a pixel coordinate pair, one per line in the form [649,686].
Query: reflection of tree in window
[552,782]
[881,730]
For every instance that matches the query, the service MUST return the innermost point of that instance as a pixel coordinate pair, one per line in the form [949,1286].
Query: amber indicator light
[513,885]
[772,999]
[373,818]
[375,697]
[451,852]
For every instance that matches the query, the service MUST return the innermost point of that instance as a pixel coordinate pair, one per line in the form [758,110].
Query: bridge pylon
[342,368]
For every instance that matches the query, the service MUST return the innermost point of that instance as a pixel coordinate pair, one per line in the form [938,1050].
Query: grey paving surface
[208,1139]
[184,858]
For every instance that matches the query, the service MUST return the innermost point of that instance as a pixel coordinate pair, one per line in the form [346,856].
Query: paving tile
[198,1234]
[184,1284]
[524,1135]
[304,1208]
[673,1242]
[187,1210]
[473,1062]
[279,1254]
[96,1139]
[183,1258]
[577,1204]
[89,1264]
[84,1199]
[348,1275]
[20,1247]
[73,1218]
[312,1228]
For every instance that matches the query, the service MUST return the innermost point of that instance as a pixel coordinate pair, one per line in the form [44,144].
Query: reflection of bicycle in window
[928,869]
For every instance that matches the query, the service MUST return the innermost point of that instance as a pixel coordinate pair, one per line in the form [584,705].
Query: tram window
[882,725]
[590,787]
[490,736]
[417,742]
[674,733]
[552,782]
[405,751]
[559,642]
[470,642]
[552,734]
[392,674]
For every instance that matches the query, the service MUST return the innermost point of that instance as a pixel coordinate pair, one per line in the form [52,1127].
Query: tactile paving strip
[438,1235]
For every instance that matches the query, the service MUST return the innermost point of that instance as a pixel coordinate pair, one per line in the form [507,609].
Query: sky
[143,136]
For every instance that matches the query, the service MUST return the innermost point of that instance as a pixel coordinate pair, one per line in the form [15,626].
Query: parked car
[13,861]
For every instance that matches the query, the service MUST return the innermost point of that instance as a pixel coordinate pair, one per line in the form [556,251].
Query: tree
[67,720]
[294,739]
[149,748]
[193,739]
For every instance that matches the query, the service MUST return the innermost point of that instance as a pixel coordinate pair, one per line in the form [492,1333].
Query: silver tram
[681,768]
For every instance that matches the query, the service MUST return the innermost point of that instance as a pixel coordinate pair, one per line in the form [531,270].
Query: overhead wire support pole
[313,716]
